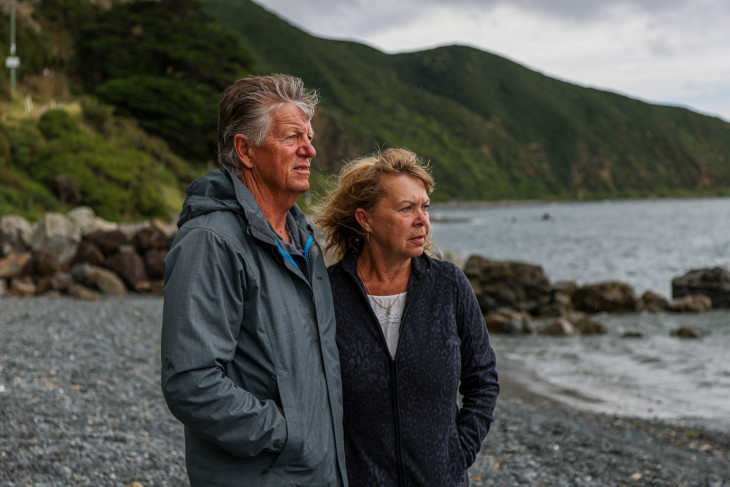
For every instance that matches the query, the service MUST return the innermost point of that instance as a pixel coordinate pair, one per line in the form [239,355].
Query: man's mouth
[302,168]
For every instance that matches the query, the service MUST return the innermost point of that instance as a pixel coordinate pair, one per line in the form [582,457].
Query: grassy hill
[124,98]
[115,107]
[491,128]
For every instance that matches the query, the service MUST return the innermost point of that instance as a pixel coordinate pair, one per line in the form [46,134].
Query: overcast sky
[670,52]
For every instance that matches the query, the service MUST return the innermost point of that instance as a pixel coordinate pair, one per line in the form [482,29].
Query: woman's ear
[362,218]
[243,150]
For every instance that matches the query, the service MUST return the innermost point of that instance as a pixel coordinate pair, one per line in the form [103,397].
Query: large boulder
[45,263]
[128,265]
[108,241]
[99,278]
[82,292]
[516,285]
[57,283]
[652,302]
[149,237]
[154,262]
[693,303]
[610,296]
[22,286]
[713,283]
[82,217]
[572,323]
[88,253]
[87,221]
[58,235]
[506,320]
[16,265]
[689,332]
[559,327]
[15,235]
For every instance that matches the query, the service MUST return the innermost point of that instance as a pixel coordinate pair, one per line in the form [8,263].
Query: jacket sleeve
[203,311]
[479,383]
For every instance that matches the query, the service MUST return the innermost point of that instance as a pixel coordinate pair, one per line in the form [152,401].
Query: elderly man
[249,361]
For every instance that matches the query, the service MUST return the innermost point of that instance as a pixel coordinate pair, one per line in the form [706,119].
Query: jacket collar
[419,265]
[258,225]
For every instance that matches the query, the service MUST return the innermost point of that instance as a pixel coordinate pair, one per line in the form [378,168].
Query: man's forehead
[293,121]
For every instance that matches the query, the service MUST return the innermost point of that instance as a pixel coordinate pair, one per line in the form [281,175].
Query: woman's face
[399,222]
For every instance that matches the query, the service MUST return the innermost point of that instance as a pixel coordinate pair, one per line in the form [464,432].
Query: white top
[389,310]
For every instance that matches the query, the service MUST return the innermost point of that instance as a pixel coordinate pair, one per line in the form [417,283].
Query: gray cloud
[653,49]
[390,11]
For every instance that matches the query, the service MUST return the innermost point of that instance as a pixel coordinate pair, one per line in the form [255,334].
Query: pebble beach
[80,405]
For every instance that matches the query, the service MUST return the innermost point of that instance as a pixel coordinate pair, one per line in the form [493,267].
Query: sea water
[643,243]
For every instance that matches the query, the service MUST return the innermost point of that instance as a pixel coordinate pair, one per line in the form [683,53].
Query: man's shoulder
[225,224]
[216,220]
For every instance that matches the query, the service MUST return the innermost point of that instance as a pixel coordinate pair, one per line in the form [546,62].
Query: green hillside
[490,127]
[115,108]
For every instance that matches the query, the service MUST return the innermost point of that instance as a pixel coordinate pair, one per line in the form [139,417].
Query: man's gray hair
[246,107]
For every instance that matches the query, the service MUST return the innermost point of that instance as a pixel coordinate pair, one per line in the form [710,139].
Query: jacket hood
[213,191]
[220,190]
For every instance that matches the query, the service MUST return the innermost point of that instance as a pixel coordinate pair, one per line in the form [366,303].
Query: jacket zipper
[400,456]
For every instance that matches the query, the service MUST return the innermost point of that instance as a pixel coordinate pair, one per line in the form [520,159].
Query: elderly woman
[410,333]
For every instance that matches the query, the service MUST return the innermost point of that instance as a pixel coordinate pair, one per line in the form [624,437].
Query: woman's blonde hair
[358,185]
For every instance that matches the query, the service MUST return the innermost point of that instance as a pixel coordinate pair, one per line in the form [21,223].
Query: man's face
[281,164]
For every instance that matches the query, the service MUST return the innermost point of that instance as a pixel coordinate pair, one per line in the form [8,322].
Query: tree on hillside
[164,63]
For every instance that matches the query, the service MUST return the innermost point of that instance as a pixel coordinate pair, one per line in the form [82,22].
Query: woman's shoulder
[337,270]
[444,267]
[443,271]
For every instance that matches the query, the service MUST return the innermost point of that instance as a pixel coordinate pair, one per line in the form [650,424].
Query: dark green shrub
[97,115]
[183,115]
[57,123]
[27,145]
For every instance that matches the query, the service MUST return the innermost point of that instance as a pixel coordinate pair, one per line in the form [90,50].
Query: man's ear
[244,150]
[363,219]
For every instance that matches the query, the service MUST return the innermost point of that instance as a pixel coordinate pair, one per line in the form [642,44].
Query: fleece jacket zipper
[394,378]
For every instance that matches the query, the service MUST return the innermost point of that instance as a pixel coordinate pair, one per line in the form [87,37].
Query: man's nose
[307,150]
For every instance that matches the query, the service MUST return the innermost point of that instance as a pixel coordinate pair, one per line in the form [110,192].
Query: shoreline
[519,381]
[456,204]
[81,404]
[538,441]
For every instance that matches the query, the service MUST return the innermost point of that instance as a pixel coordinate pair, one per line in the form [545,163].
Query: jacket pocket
[303,451]
[456,454]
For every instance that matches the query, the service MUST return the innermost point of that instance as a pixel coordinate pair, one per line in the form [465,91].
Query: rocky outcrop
[518,298]
[514,285]
[57,235]
[693,303]
[712,282]
[507,320]
[15,235]
[689,332]
[81,255]
[611,297]
[653,302]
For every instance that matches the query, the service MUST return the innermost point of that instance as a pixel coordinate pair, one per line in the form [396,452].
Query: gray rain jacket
[249,361]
